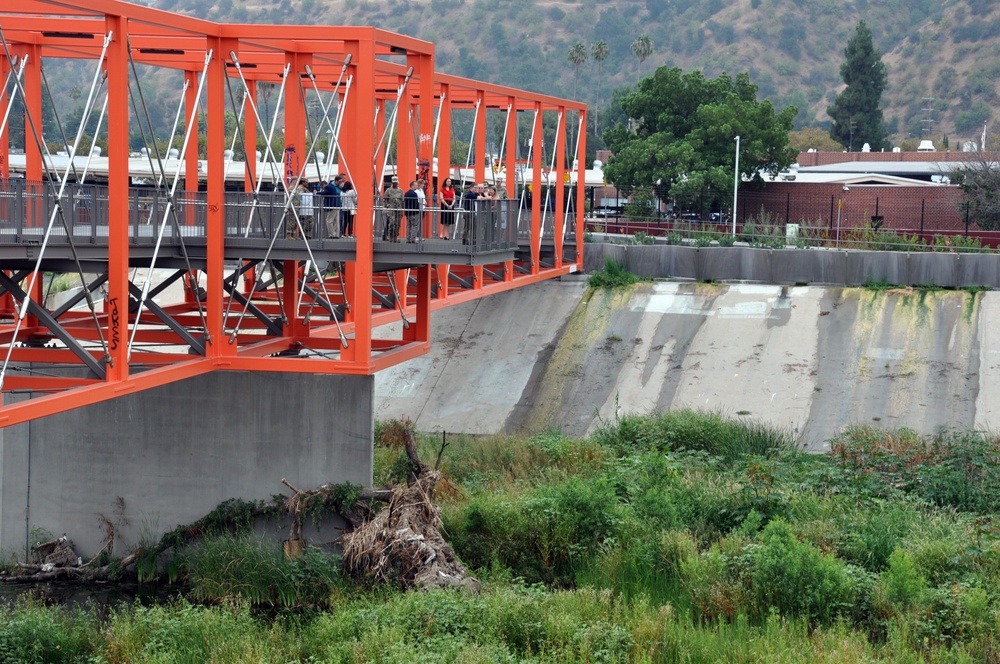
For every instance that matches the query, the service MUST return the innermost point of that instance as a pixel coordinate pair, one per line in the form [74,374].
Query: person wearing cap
[302,216]
[393,202]
[502,195]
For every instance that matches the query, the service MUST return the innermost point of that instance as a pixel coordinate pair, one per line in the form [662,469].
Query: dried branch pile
[402,543]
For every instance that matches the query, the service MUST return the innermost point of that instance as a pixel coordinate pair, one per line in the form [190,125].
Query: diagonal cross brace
[50,322]
[167,319]
[75,300]
[272,327]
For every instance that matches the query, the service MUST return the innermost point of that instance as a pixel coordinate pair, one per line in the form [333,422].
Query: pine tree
[856,113]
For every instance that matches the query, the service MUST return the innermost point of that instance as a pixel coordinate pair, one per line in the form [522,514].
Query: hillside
[940,49]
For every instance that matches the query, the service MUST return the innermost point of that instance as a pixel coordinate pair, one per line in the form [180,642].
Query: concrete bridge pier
[175,452]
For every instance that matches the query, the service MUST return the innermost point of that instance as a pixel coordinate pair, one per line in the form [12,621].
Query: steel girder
[212,302]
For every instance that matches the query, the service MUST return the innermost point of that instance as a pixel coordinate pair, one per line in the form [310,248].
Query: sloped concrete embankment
[800,266]
[808,358]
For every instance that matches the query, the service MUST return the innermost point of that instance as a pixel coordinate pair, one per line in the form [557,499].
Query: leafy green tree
[857,112]
[577,56]
[642,48]
[684,131]
[599,51]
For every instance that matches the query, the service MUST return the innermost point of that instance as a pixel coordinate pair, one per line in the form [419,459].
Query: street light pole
[736,183]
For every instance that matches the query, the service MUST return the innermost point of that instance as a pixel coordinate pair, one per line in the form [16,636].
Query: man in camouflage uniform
[393,201]
[502,195]
[302,200]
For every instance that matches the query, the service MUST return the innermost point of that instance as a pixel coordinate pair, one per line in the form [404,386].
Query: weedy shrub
[182,632]
[259,572]
[880,240]
[955,469]
[32,632]
[902,584]
[614,275]
[957,243]
[544,535]
[870,533]
[798,580]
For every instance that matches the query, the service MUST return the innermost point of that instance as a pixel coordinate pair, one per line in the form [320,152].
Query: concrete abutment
[175,452]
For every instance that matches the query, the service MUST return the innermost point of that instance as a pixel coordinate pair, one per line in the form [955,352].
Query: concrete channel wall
[800,266]
[811,359]
[173,453]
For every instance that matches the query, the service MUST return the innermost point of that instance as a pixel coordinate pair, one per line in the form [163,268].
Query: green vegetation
[857,111]
[612,276]
[679,537]
[681,135]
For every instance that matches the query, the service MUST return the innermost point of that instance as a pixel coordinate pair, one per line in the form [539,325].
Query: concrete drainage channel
[814,359]
[800,266]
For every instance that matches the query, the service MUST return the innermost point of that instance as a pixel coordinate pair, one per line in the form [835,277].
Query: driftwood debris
[58,560]
[400,543]
[393,535]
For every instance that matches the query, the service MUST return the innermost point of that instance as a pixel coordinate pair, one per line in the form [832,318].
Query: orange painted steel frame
[378,65]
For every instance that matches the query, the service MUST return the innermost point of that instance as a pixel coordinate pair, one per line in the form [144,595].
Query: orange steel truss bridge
[186,263]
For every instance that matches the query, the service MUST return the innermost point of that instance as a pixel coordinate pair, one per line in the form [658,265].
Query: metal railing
[26,208]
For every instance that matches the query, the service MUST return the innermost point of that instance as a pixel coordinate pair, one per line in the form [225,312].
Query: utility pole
[736,183]
[927,124]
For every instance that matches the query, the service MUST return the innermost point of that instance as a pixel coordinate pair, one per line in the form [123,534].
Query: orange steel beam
[379,60]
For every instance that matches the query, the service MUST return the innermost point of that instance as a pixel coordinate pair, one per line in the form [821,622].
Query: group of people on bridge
[482,208]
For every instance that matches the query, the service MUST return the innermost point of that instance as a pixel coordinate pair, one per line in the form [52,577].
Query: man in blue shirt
[331,202]
[411,208]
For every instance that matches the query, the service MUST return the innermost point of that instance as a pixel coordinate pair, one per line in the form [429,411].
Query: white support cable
[472,139]
[337,129]
[576,150]
[548,189]
[269,158]
[390,130]
[468,160]
[289,206]
[97,132]
[434,140]
[334,127]
[310,151]
[22,311]
[503,141]
[173,128]
[13,94]
[192,124]
[531,142]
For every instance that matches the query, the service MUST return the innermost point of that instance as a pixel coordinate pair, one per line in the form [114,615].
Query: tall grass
[614,275]
[685,429]
[674,537]
[258,571]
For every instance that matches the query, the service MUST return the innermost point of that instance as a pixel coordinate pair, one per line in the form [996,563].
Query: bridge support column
[173,453]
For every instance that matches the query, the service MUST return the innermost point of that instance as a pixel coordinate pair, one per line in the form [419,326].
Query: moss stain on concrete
[586,329]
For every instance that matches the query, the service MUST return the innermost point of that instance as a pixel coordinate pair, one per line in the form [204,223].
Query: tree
[813,138]
[856,112]
[979,179]
[642,48]
[599,51]
[577,56]
[685,126]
